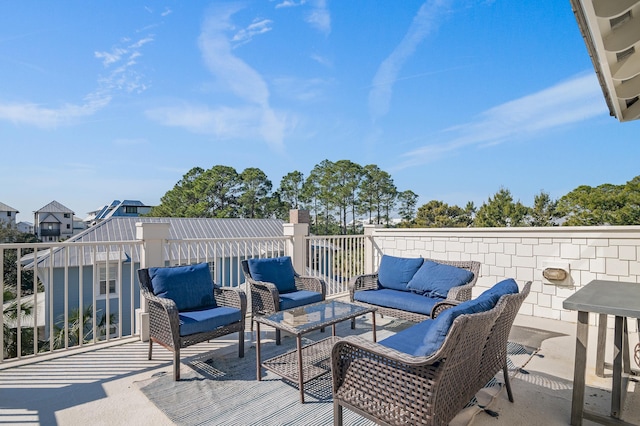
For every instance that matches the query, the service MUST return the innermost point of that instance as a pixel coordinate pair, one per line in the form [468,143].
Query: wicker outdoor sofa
[421,306]
[406,380]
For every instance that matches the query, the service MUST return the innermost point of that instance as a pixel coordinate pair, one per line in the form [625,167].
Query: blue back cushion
[395,272]
[427,337]
[191,286]
[276,270]
[436,279]
[493,294]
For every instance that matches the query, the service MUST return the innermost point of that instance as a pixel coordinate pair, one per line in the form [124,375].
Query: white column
[369,250]
[153,237]
[296,245]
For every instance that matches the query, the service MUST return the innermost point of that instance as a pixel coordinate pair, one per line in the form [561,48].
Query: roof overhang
[611,31]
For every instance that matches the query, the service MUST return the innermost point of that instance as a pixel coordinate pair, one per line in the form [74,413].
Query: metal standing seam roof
[6,208]
[118,229]
[54,207]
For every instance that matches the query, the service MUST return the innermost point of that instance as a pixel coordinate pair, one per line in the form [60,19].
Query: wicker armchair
[267,299]
[460,293]
[394,388]
[165,322]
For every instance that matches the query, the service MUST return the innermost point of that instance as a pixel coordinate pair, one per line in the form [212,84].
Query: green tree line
[343,195]
[335,193]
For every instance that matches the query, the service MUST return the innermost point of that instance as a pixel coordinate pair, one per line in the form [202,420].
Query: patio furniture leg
[580,368]
[277,337]
[507,382]
[258,362]
[602,343]
[150,347]
[337,414]
[176,365]
[300,367]
[241,344]
[353,323]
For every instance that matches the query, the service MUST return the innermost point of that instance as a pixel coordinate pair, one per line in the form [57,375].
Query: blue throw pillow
[436,279]
[191,286]
[276,270]
[395,272]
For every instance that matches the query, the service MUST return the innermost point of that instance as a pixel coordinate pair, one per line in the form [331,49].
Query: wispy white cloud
[40,116]
[290,3]
[425,22]
[122,76]
[322,60]
[303,90]
[569,102]
[319,17]
[166,12]
[245,35]
[256,118]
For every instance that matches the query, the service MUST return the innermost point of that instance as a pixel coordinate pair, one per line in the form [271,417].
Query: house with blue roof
[117,208]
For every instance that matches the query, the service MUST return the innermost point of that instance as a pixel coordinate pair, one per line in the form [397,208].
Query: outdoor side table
[307,362]
[622,300]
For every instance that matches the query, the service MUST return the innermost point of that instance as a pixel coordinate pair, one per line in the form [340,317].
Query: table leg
[333,330]
[602,344]
[373,324]
[300,378]
[577,399]
[258,362]
[617,391]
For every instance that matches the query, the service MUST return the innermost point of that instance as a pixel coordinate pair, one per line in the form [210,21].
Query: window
[9,214]
[102,279]
[131,209]
[67,215]
[68,226]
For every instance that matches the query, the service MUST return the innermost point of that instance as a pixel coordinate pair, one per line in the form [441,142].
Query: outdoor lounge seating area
[116,380]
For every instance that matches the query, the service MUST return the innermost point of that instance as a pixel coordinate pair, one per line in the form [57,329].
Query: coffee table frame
[308,362]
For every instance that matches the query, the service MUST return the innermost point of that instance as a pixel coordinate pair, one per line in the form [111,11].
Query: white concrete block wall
[610,253]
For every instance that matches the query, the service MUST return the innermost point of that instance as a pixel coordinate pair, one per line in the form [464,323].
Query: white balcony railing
[66,295]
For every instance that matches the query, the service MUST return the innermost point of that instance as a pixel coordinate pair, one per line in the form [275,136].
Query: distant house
[25,227]
[106,276]
[53,222]
[8,215]
[126,208]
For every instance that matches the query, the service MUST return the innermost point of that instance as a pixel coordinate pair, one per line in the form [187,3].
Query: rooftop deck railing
[66,295]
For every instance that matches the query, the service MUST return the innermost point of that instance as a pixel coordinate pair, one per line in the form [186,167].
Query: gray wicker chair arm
[311,284]
[362,282]
[439,307]
[231,297]
[461,292]
[164,320]
[264,296]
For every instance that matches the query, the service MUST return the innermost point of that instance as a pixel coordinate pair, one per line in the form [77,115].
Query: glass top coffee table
[307,362]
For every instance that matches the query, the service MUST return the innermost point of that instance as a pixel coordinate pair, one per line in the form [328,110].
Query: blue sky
[454,98]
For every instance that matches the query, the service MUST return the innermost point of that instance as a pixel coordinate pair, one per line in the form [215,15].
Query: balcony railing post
[153,237]
[369,252]
[298,229]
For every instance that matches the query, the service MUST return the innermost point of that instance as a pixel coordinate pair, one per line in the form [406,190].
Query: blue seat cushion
[202,320]
[298,298]
[276,270]
[403,300]
[436,279]
[395,272]
[191,286]
[425,338]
